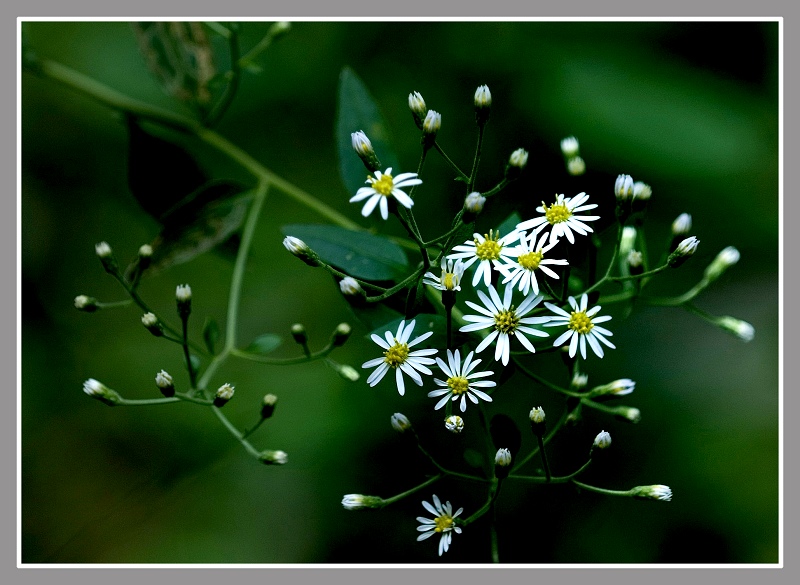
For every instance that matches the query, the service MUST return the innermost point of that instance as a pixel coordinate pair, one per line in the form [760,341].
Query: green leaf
[195,361]
[509,224]
[473,457]
[264,344]
[210,334]
[358,111]
[359,254]
[376,315]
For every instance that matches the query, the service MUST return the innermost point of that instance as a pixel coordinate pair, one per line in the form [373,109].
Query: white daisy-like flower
[581,327]
[461,381]
[382,185]
[488,250]
[505,321]
[442,523]
[529,259]
[560,218]
[450,278]
[399,357]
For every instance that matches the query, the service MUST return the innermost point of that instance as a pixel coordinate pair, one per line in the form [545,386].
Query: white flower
[537,415]
[382,185]
[451,276]
[560,216]
[518,158]
[569,146]
[454,423]
[461,381]
[488,250]
[529,259]
[682,225]
[581,326]
[398,356]
[442,523]
[505,320]
[652,492]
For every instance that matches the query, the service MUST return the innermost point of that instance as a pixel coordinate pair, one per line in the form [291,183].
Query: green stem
[233,83]
[497,188]
[638,276]
[494,491]
[443,469]
[476,161]
[447,159]
[236,433]
[597,284]
[592,488]
[564,479]
[543,453]
[281,361]
[187,356]
[547,438]
[544,382]
[114,304]
[413,490]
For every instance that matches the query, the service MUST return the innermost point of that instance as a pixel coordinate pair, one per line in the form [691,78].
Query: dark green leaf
[210,334]
[359,254]
[376,315]
[509,224]
[358,111]
[264,344]
[195,361]
[473,458]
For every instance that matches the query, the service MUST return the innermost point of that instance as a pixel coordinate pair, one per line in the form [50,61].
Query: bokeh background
[689,108]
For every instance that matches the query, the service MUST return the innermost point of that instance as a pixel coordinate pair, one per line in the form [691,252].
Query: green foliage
[264,344]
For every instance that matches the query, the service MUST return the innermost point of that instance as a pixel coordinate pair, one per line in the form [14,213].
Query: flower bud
[684,250]
[350,287]
[101,392]
[153,325]
[642,191]
[86,304]
[473,205]
[652,492]
[165,384]
[279,29]
[268,405]
[579,381]
[623,188]
[741,329]
[619,387]
[570,147]
[724,260]
[627,241]
[106,255]
[454,423]
[400,422]
[341,334]
[145,256]
[365,152]
[628,414]
[602,440]
[432,123]
[682,225]
[483,104]
[273,457]
[634,261]
[223,395]
[417,106]
[536,416]
[183,297]
[349,373]
[516,162]
[300,249]
[361,502]
[502,463]
[299,334]
[576,166]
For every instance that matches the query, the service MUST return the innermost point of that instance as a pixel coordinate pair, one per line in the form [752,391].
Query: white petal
[583,346]
[380,341]
[362,194]
[402,198]
[525,342]
[443,366]
[378,374]
[595,346]
[384,208]
[573,344]
[561,339]
[373,363]
[398,376]
[430,508]
[488,340]
[370,205]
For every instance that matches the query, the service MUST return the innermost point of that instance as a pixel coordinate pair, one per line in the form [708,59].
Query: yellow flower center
[490,248]
[556,213]
[506,321]
[396,355]
[580,322]
[443,523]
[530,260]
[384,185]
[458,385]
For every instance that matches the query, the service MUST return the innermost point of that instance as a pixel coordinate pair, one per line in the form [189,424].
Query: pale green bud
[652,492]
[724,260]
[361,502]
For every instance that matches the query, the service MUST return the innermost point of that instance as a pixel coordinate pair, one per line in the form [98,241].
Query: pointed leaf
[359,254]
[264,344]
[356,111]
[210,334]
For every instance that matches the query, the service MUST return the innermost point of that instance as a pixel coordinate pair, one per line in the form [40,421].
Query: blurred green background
[689,108]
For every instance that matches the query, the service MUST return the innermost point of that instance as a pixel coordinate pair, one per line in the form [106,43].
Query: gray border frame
[361,9]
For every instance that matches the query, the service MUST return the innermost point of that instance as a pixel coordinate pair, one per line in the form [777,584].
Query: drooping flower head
[560,218]
[582,326]
[382,186]
[443,522]
[398,356]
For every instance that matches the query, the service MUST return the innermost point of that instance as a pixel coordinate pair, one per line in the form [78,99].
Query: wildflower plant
[446,298]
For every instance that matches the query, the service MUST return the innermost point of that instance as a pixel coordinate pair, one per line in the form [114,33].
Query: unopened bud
[101,392]
[536,416]
[418,109]
[268,405]
[682,225]
[628,414]
[361,502]
[454,424]
[400,422]
[627,241]
[279,29]
[165,384]
[483,104]
[273,457]
[516,162]
[579,381]
[86,304]
[619,387]
[432,123]
[642,191]
[473,205]
[151,322]
[349,373]
[652,492]
[183,297]
[623,187]
[300,249]
[341,334]
[741,329]
[570,147]
[576,166]
[502,462]
[350,287]
[635,262]
[145,256]
[299,334]
[602,440]
[106,256]
[364,150]
[223,395]
[684,250]
[724,260]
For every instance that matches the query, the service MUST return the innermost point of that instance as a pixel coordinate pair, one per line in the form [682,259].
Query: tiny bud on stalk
[682,253]
[86,304]
[576,166]
[106,256]
[361,502]
[502,463]
[341,334]
[165,384]
[273,457]
[300,249]
[652,492]
[364,150]
[418,109]
[454,424]
[483,104]
[602,440]
[400,422]
[537,419]
[183,298]
[223,395]
[101,392]
[268,405]
[152,324]
[299,334]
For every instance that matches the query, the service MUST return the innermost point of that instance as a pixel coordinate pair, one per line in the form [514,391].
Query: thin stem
[282,361]
[253,429]
[233,82]
[638,276]
[147,401]
[396,288]
[236,433]
[592,488]
[679,300]
[494,490]
[610,264]
[413,490]
[443,469]
[187,356]
[475,162]
[114,304]
[544,382]
[547,438]
[543,453]
[497,188]
[447,159]
[564,479]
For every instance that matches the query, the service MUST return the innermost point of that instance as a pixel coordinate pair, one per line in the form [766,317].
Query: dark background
[689,108]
